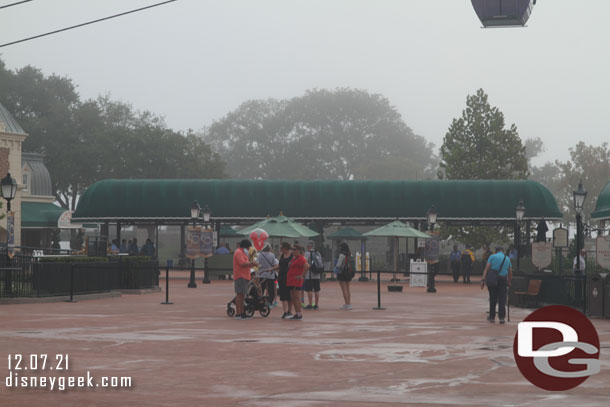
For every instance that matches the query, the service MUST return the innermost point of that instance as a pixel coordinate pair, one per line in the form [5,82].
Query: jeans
[497,295]
[455,268]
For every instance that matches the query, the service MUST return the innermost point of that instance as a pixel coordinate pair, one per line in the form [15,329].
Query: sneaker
[286,315]
[315,306]
[490,320]
[348,307]
[302,304]
[308,307]
[296,317]
[275,303]
[244,316]
[501,321]
[237,317]
[343,307]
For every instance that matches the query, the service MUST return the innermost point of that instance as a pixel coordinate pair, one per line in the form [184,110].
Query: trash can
[595,295]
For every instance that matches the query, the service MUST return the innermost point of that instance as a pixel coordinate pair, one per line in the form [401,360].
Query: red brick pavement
[423,350]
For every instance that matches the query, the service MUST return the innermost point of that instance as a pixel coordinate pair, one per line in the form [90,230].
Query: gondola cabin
[503,13]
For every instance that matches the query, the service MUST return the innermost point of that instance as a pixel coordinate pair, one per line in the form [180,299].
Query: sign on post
[199,242]
[602,250]
[541,254]
[10,234]
[418,274]
[560,238]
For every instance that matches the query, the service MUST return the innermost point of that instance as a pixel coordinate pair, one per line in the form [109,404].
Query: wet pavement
[423,350]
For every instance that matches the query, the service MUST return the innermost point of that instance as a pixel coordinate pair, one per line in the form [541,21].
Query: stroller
[254,301]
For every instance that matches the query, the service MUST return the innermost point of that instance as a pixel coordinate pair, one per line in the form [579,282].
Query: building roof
[40,183]
[167,201]
[602,209]
[9,123]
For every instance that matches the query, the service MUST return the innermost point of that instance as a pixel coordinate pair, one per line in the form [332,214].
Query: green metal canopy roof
[280,226]
[171,200]
[40,215]
[602,209]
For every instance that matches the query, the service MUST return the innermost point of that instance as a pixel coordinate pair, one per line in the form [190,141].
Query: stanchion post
[379,307]
[72,283]
[206,278]
[167,286]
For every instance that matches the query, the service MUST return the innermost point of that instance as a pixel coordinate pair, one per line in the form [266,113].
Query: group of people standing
[461,261]
[298,271]
[131,247]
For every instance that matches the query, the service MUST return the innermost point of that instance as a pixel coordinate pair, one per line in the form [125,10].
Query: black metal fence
[26,277]
[554,290]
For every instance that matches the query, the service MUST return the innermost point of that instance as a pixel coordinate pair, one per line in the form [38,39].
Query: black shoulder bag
[492,275]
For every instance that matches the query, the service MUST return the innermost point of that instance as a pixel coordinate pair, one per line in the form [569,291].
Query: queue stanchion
[379,307]
[167,302]
[72,266]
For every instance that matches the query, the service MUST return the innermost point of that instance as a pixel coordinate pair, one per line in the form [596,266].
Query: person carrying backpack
[312,277]
[467,261]
[345,273]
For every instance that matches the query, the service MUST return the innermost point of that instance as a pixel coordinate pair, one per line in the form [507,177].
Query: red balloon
[259,238]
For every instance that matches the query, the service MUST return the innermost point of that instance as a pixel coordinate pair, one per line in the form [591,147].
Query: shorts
[241,286]
[312,285]
[293,288]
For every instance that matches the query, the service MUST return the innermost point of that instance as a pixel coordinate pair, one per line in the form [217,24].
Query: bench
[533,289]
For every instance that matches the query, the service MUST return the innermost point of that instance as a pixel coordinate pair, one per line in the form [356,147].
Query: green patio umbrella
[397,229]
[280,226]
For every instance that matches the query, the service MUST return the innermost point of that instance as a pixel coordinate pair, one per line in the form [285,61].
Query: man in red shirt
[241,277]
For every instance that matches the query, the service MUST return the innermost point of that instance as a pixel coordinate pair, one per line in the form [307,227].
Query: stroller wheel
[249,310]
[265,311]
[230,311]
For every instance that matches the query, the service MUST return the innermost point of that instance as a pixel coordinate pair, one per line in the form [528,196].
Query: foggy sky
[193,61]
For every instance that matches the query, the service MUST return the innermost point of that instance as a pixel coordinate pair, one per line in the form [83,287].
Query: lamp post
[432,215]
[519,214]
[206,219]
[195,210]
[579,200]
[9,191]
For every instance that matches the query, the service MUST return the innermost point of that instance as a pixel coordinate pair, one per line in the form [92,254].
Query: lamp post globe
[8,187]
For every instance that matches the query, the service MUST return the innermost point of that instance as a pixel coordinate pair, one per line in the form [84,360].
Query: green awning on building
[602,209]
[171,200]
[40,215]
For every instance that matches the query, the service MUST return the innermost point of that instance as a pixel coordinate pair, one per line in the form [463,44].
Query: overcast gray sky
[192,61]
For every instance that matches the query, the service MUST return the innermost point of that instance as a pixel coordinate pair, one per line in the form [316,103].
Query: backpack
[313,267]
[347,269]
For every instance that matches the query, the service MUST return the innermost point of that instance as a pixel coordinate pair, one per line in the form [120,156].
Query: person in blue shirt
[499,263]
[454,259]
[223,249]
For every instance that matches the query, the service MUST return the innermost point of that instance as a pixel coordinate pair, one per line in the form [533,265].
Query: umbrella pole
[395,257]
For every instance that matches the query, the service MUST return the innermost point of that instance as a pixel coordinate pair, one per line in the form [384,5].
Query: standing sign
[602,250]
[560,237]
[418,274]
[431,253]
[10,223]
[541,254]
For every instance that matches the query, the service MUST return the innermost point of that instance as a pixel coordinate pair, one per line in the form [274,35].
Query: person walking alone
[345,275]
[498,264]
